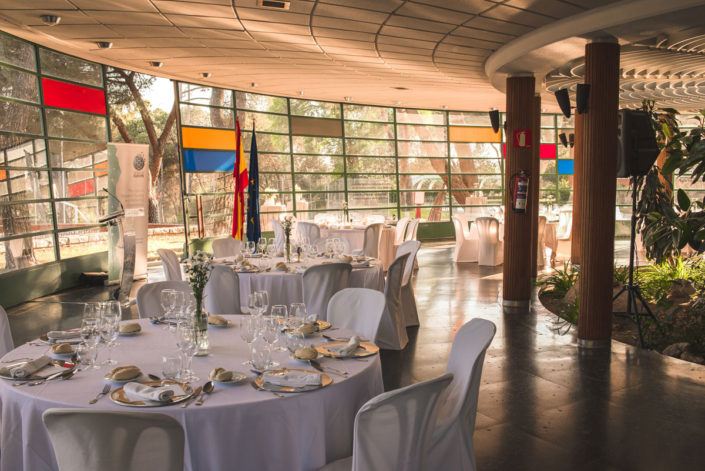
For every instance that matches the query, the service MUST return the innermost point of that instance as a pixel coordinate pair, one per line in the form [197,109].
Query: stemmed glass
[262,245]
[251,247]
[187,341]
[254,303]
[166,300]
[264,295]
[91,311]
[109,326]
[270,334]
[260,354]
[297,315]
[279,314]
[248,331]
[91,336]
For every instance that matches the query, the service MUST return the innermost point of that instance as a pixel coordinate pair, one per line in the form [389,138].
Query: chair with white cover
[90,440]
[466,240]
[148,296]
[491,249]
[279,235]
[392,430]
[226,247]
[357,309]
[370,243]
[170,263]
[565,224]
[392,328]
[400,230]
[540,247]
[308,230]
[222,292]
[411,230]
[321,282]
[320,244]
[452,445]
[408,300]
[6,343]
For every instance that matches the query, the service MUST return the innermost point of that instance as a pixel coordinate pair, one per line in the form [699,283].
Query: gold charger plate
[260,384]
[364,350]
[320,325]
[119,397]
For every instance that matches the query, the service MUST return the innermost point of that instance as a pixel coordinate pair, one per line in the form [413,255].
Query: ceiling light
[104,44]
[400,88]
[50,20]
[348,98]
[301,92]
[155,63]
[206,74]
[254,84]
[278,4]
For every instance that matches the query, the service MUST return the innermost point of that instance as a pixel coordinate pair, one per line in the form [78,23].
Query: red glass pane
[546,151]
[86,187]
[73,97]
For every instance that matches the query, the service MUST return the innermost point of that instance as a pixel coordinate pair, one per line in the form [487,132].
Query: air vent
[278,4]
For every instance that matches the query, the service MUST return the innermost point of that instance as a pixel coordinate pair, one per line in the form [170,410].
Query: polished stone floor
[544,405]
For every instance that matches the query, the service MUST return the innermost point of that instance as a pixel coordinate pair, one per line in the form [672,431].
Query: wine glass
[297,315]
[91,311]
[295,340]
[279,313]
[165,300]
[254,303]
[251,247]
[262,245]
[109,326]
[187,341]
[270,334]
[248,332]
[264,303]
[91,336]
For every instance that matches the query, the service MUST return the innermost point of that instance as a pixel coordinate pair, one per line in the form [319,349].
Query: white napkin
[26,369]
[137,391]
[363,264]
[61,336]
[347,349]
[294,379]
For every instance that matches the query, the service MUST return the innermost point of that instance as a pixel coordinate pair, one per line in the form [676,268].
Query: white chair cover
[279,235]
[357,309]
[148,296]
[392,430]
[320,244]
[170,263]
[370,244]
[321,282]
[309,230]
[408,300]
[392,329]
[6,343]
[565,224]
[91,440]
[400,230]
[491,248]
[540,247]
[466,240]
[226,247]
[451,444]
[222,292]
[412,229]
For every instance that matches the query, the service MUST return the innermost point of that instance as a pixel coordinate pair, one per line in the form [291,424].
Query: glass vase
[287,249]
[201,321]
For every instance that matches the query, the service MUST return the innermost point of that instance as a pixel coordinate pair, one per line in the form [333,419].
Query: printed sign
[522,138]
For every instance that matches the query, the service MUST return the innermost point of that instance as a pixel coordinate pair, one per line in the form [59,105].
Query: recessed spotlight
[400,88]
[445,107]
[301,93]
[50,20]
[206,74]
[397,103]
[104,44]
[155,63]
[254,84]
[348,98]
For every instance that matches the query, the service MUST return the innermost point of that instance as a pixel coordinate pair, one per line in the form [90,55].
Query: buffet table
[238,427]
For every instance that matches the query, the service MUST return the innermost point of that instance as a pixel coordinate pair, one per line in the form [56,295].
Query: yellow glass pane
[468,134]
[199,138]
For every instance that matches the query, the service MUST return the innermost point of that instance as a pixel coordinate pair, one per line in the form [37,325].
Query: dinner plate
[35,376]
[364,350]
[120,397]
[238,378]
[260,384]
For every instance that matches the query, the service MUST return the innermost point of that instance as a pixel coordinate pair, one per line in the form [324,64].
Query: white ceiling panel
[348,25]
[378,5]
[428,12]
[399,32]
[193,8]
[205,21]
[516,15]
[359,14]
[552,8]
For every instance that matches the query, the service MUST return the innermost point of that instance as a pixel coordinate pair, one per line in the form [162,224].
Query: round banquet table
[286,288]
[237,427]
[356,237]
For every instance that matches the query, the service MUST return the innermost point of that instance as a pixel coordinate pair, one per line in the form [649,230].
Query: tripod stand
[633,293]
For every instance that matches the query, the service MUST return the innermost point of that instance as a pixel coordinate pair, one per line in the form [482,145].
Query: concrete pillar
[577,188]
[598,187]
[534,185]
[517,226]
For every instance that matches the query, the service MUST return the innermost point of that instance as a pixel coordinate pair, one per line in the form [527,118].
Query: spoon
[207,389]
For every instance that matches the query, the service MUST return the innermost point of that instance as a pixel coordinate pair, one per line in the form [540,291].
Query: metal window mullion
[182,174]
[345,163]
[291,158]
[448,168]
[396,162]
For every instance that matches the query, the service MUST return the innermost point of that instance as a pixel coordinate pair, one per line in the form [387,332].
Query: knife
[193,396]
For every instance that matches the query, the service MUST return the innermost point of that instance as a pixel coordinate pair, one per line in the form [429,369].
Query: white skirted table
[356,236]
[238,427]
[286,288]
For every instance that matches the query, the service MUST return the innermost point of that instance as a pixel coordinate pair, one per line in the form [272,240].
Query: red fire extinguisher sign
[522,138]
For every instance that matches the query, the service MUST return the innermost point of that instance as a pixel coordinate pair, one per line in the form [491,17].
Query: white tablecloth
[356,236]
[287,288]
[238,427]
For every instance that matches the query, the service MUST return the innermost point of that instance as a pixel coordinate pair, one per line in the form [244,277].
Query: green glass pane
[24,217]
[548,120]
[368,113]
[371,200]
[274,182]
[317,145]
[70,154]
[63,123]
[305,182]
[362,182]
[458,118]
[475,166]
[70,68]
[20,185]
[548,166]
[320,201]
[27,251]
[266,142]
[79,212]
[315,109]
[273,163]
[548,136]
[423,165]
[202,95]
[206,116]
[365,147]
[264,122]
[18,117]
[370,165]
[421,182]
[16,52]
[18,85]
[255,102]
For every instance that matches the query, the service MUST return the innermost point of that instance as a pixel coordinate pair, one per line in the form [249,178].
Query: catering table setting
[284,378]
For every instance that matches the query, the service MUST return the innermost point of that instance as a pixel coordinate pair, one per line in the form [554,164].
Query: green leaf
[700,235]
[669,110]
[666,130]
[683,200]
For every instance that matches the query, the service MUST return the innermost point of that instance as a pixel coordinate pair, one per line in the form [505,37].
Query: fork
[102,393]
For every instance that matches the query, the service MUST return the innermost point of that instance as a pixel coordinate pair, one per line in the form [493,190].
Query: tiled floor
[544,405]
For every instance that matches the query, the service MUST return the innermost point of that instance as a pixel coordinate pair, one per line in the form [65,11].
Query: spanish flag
[241,179]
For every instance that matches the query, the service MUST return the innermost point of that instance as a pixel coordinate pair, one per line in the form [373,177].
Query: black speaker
[582,92]
[494,119]
[571,139]
[636,149]
[564,139]
[563,100]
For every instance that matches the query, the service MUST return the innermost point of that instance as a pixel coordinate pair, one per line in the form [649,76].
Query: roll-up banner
[128,180]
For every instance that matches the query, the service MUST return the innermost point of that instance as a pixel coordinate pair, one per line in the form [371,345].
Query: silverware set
[103,392]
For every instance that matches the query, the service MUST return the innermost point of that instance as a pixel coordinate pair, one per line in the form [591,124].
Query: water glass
[271,333]
[254,303]
[91,311]
[90,335]
[297,315]
[251,247]
[86,354]
[295,340]
[171,367]
[260,354]
[187,342]
[264,296]
[108,328]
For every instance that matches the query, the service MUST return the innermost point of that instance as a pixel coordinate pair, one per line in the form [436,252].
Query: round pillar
[534,185]
[577,188]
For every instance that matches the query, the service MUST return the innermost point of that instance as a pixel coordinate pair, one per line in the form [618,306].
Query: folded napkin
[215,319]
[63,335]
[137,391]
[26,369]
[294,379]
[347,349]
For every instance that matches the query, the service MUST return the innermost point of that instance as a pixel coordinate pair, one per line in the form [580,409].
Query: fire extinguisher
[519,189]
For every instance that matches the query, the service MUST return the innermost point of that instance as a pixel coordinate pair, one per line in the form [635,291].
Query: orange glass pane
[468,134]
[199,138]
